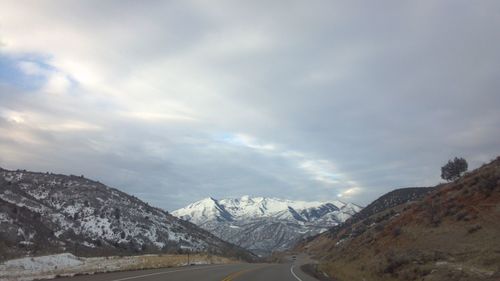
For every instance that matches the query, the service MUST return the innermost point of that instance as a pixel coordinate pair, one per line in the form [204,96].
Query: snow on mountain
[203,210]
[42,213]
[262,224]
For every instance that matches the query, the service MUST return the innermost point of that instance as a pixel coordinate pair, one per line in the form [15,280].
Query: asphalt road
[227,272]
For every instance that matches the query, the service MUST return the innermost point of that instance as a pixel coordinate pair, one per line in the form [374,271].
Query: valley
[249,140]
[63,225]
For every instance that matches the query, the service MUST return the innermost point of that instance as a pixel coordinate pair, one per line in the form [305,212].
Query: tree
[454,169]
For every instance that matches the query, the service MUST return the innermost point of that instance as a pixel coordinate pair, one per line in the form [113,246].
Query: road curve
[226,272]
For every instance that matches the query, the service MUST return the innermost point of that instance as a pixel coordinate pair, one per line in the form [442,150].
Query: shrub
[487,184]
[474,228]
[379,227]
[396,231]
[460,216]
[395,261]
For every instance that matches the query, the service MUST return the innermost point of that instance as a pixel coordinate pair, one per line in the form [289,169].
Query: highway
[226,272]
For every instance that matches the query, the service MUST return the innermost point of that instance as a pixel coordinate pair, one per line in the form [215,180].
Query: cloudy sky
[173,101]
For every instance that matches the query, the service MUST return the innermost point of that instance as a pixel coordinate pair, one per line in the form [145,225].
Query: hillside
[451,233]
[44,213]
[385,202]
[263,225]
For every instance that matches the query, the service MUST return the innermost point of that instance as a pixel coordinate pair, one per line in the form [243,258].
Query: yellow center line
[233,275]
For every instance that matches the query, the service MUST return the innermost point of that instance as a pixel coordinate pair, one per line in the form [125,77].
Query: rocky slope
[43,213]
[263,225]
[449,233]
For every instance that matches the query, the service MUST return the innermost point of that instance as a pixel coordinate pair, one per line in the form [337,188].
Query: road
[228,272]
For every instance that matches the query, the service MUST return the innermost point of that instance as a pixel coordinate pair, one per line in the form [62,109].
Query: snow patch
[41,264]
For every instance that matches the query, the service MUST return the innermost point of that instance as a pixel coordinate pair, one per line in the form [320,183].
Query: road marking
[293,273]
[236,274]
[165,272]
[241,272]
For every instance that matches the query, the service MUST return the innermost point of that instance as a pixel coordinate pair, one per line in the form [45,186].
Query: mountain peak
[208,200]
[259,223]
[247,206]
[203,210]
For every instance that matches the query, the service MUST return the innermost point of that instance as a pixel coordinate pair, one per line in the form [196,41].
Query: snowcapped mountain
[262,224]
[47,213]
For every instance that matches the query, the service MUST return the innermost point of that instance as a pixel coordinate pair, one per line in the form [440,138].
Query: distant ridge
[384,202]
[262,224]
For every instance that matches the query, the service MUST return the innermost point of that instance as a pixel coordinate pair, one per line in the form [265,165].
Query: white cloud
[321,170]
[12,116]
[69,125]
[350,192]
[57,83]
[31,68]
[41,121]
[159,117]
[326,95]
[249,141]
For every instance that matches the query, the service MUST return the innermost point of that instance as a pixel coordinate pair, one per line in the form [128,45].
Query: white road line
[293,273]
[165,272]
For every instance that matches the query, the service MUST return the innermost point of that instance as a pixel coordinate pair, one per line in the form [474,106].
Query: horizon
[240,197]
[309,101]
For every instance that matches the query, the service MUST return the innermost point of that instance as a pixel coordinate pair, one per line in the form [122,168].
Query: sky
[175,101]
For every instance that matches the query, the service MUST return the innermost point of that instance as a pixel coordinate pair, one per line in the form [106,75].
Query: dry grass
[111,264]
[161,261]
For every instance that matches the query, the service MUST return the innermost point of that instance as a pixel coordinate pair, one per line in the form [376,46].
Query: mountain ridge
[265,224]
[45,213]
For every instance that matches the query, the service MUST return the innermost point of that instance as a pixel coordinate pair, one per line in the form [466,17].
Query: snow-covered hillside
[263,225]
[48,213]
